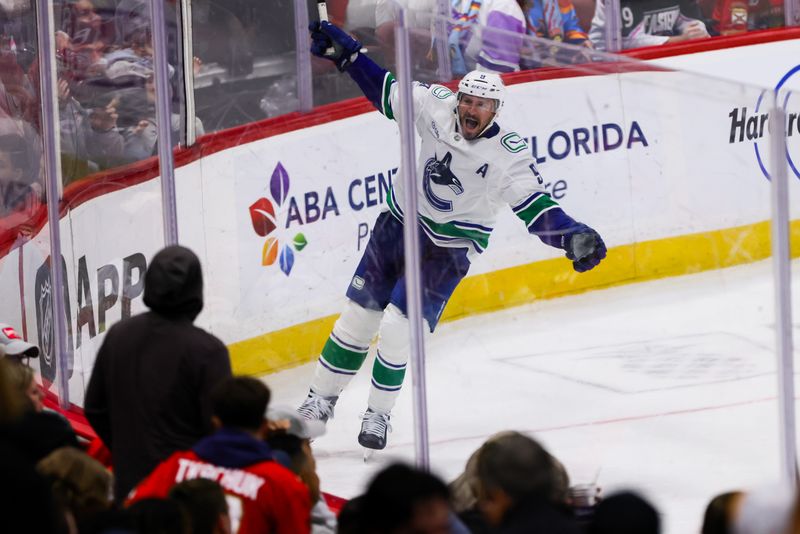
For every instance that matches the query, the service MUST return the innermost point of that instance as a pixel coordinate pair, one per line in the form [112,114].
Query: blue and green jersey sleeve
[544,218]
[375,82]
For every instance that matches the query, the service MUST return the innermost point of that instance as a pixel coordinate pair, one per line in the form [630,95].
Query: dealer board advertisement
[280,223]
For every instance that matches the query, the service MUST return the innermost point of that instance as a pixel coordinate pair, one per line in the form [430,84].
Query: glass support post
[305,87]
[52,166]
[613,34]
[440,40]
[411,241]
[164,123]
[783,292]
[188,75]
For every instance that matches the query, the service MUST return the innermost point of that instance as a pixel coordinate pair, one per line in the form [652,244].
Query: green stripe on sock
[387,376]
[342,358]
[530,213]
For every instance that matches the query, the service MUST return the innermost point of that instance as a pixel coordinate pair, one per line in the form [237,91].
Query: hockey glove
[330,42]
[584,247]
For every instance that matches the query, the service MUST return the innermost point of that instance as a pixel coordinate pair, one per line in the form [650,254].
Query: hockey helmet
[484,85]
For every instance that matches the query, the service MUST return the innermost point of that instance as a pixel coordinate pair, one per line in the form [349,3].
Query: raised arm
[378,84]
[545,219]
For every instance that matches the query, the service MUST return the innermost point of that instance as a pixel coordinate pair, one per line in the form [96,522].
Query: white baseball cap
[13,345]
[299,426]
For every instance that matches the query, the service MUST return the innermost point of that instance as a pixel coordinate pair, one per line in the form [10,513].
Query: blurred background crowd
[244,70]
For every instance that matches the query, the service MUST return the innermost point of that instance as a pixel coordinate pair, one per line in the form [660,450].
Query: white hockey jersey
[462,185]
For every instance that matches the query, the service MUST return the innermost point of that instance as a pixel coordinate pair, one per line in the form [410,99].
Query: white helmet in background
[484,85]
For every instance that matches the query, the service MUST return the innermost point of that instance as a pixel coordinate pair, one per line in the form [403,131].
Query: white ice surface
[667,387]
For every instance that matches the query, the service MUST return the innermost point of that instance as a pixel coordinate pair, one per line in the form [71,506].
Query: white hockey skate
[317,408]
[374,427]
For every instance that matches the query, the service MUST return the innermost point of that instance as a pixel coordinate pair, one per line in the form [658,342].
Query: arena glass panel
[656,367]
[785,97]
[24,236]
[111,202]
[245,64]
[672,334]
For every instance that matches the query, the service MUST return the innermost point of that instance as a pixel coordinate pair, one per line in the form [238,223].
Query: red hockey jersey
[263,497]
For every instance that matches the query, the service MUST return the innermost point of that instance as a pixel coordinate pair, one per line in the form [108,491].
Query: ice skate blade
[368,454]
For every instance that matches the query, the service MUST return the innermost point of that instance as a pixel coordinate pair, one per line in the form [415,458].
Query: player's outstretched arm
[546,220]
[334,44]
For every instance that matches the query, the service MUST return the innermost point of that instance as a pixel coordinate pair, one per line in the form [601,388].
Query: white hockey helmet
[484,85]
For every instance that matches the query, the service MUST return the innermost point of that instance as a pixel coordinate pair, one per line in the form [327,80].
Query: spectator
[738,16]
[721,512]
[12,405]
[127,70]
[20,194]
[651,23]
[401,499]
[158,516]
[487,36]
[87,116]
[26,386]
[81,44]
[291,435]
[148,395]
[766,510]
[271,498]
[625,513]
[26,504]
[23,424]
[141,139]
[557,21]
[373,22]
[80,485]
[90,135]
[465,488]
[14,347]
[17,95]
[87,122]
[519,485]
[204,503]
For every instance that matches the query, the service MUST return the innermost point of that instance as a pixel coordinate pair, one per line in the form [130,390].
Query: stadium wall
[672,199]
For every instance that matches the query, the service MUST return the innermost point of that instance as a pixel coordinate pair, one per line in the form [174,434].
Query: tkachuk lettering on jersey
[233,480]
[660,21]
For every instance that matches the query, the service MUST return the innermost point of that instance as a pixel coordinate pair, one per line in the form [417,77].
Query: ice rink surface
[667,387]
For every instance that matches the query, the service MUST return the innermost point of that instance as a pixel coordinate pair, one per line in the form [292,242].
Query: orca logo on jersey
[438,172]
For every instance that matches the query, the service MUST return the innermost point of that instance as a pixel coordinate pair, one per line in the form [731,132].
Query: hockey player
[469,168]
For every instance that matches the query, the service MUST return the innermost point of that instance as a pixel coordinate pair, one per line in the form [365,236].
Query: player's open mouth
[470,123]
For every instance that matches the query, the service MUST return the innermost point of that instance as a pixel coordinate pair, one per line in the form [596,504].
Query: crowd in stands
[194,449]
[104,74]
[104,88]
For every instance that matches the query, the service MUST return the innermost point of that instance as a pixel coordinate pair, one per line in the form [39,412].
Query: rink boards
[652,159]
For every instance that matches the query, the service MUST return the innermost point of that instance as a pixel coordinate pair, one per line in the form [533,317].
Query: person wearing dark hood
[148,395]
[264,497]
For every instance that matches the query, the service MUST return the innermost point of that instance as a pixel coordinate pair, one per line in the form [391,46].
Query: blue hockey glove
[584,247]
[330,42]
